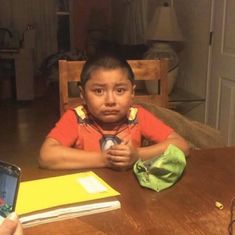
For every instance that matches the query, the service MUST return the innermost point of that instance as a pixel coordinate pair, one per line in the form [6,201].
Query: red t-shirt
[70,132]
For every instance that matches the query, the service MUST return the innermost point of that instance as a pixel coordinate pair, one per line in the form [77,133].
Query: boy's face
[108,94]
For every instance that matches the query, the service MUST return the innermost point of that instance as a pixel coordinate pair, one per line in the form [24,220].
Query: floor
[24,125]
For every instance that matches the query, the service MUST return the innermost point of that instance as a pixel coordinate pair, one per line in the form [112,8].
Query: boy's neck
[110,126]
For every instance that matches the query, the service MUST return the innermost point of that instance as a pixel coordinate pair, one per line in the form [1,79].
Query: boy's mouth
[110,112]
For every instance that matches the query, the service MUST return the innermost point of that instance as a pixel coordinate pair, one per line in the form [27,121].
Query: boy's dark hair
[106,62]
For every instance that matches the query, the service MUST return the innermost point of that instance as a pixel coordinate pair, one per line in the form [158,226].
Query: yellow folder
[52,192]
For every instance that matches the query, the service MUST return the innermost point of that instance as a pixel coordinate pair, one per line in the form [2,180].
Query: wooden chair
[69,71]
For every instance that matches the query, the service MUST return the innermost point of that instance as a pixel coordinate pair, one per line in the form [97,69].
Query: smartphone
[9,185]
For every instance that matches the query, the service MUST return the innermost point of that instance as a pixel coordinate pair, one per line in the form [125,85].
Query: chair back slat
[70,71]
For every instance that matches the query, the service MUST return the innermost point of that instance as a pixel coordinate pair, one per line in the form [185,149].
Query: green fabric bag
[161,172]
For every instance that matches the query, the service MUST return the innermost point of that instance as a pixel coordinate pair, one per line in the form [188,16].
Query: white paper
[92,185]
[68,212]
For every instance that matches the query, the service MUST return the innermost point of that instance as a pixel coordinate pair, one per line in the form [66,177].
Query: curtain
[89,15]
[135,21]
[16,15]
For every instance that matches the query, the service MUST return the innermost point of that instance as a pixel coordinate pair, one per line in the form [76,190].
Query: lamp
[163,30]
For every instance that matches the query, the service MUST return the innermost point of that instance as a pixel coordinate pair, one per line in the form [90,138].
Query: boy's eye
[98,91]
[120,90]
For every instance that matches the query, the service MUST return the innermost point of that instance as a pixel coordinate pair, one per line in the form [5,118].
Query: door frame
[209,63]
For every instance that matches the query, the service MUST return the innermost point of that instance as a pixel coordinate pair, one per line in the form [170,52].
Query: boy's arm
[53,155]
[156,130]
[145,153]
[123,156]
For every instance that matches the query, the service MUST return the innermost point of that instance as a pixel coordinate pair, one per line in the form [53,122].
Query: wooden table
[186,208]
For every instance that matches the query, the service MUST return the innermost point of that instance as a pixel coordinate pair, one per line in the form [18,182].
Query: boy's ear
[81,94]
[133,89]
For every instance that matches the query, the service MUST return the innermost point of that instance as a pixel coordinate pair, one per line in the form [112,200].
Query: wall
[118,17]
[194,20]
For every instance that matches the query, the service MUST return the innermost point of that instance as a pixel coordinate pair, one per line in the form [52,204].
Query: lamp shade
[164,26]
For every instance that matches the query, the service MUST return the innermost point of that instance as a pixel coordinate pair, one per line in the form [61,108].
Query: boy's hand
[122,156]
[11,226]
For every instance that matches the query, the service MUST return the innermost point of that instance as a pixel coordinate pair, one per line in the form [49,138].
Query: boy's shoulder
[73,115]
[140,109]
[81,113]
[144,113]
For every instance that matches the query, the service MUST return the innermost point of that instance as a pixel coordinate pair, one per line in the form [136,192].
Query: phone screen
[9,183]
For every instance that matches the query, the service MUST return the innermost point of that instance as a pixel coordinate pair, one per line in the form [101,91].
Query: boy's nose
[110,98]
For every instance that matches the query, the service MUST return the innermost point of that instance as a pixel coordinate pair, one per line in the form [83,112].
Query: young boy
[106,131]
